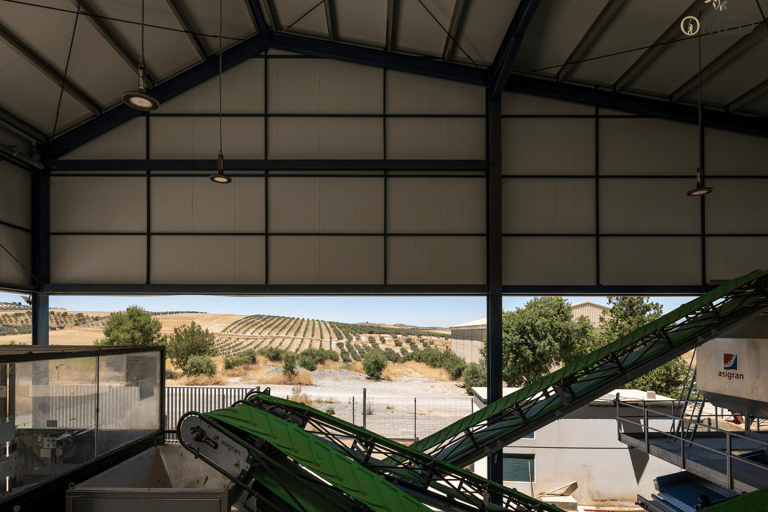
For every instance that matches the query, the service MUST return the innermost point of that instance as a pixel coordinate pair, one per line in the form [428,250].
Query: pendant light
[220,177]
[139,99]
[700,189]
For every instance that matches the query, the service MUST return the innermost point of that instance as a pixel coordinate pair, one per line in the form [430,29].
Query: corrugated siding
[436,260]
[722,88]
[414,94]
[18,243]
[204,16]
[650,261]
[198,137]
[15,195]
[326,260]
[99,205]
[417,31]
[325,138]
[127,141]
[548,205]
[321,86]
[731,257]
[548,146]
[542,261]
[242,92]
[482,29]
[435,138]
[733,153]
[517,104]
[326,205]
[207,260]
[289,14]
[96,259]
[429,205]
[197,205]
[648,147]
[361,22]
[663,202]
[737,206]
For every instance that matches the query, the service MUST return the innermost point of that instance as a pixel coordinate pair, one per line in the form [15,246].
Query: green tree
[374,363]
[134,327]
[200,365]
[628,314]
[187,341]
[474,376]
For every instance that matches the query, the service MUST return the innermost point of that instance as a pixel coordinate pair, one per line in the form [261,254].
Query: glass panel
[129,399]
[518,469]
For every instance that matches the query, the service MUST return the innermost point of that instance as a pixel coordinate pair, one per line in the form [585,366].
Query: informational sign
[8,466]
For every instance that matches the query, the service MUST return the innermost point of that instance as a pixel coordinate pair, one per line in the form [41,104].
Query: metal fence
[392,417]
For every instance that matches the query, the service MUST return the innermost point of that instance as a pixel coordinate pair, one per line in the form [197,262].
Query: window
[519,468]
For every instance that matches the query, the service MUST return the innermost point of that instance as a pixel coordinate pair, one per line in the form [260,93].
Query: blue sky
[423,311]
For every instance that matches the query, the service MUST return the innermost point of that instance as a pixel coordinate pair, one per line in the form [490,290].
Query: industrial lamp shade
[220,177]
[140,101]
[700,189]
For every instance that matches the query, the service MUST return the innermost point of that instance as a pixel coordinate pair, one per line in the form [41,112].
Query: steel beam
[41,260]
[605,16]
[163,92]
[453,30]
[21,127]
[42,65]
[271,14]
[187,26]
[722,60]
[378,58]
[748,97]
[391,24]
[261,165]
[261,289]
[636,104]
[513,39]
[257,16]
[658,46]
[110,37]
[330,18]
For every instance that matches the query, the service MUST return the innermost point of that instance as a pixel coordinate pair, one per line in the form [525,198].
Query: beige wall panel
[648,206]
[326,205]
[18,243]
[96,259]
[436,260]
[197,205]
[732,257]
[125,142]
[198,137]
[322,86]
[415,94]
[548,146]
[548,205]
[242,92]
[648,147]
[207,260]
[98,204]
[436,205]
[325,138]
[435,138]
[737,206]
[326,260]
[15,195]
[567,261]
[517,104]
[732,153]
[650,261]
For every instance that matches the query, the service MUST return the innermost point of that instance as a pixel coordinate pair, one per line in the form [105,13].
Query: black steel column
[41,254]
[494,262]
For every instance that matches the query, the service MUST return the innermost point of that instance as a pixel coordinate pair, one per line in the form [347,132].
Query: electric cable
[449,34]
[302,16]
[66,68]
[20,264]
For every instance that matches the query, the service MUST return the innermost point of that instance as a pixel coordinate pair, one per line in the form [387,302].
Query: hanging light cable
[700,189]
[220,177]
[139,99]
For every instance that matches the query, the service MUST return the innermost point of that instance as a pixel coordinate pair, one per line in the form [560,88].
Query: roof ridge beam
[187,26]
[47,69]
[748,97]
[605,16]
[330,18]
[722,60]
[510,45]
[658,46]
[110,37]
[391,25]
[458,10]
[257,16]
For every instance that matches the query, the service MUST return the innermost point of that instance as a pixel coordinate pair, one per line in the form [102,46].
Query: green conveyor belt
[599,372]
[756,501]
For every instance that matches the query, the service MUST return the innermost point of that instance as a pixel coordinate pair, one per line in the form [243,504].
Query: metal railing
[723,465]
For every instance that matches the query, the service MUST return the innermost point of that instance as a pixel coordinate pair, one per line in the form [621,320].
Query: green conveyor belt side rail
[370,452]
[600,372]
[756,501]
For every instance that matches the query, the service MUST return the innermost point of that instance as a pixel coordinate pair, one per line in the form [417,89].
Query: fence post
[365,407]
[353,410]
[728,470]
[415,437]
[647,428]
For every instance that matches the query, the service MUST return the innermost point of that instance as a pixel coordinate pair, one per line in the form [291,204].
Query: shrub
[436,359]
[200,365]
[392,355]
[345,356]
[272,353]
[239,359]
[371,340]
[474,376]
[374,363]
[289,363]
[398,343]
[187,341]
[330,411]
